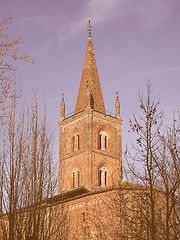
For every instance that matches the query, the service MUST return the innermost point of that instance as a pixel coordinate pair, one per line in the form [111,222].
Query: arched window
[75,178]
[75,143]
[78,178]
[100,177]
[103,140]
[100,141]
[103,176]
[83,217]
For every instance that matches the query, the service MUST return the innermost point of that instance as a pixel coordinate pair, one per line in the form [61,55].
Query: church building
[98,203]
[90,149]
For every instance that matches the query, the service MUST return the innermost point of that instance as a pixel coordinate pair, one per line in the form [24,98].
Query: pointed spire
[62,108]
[117,106]
[90,75]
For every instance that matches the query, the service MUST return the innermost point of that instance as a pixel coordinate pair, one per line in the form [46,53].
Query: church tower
[90,148]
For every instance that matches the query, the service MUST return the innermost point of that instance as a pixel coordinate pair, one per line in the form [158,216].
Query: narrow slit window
[105,178]
[100,177]
[78,182]
[73,179]
[105,142]
[77,142]
[100,141]
[73,143]
[83,218]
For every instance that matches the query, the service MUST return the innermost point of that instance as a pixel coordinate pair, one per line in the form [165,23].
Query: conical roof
[90,80]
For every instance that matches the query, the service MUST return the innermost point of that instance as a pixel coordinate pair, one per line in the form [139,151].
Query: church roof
[90,82]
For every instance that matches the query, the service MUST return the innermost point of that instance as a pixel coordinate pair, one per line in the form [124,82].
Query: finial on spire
[89,30]
[116,94]
[62,95]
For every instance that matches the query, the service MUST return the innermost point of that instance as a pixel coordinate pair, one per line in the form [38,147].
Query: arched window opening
[73,143]
[77,142]
[103,177]
[75,178]
[103,140]
[100,177]
[100,141]
[83,218]
[78,178]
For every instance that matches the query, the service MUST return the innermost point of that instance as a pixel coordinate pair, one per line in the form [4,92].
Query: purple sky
[134,41]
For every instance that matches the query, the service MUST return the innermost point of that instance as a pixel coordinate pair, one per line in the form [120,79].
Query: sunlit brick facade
[98,203]
[90,149]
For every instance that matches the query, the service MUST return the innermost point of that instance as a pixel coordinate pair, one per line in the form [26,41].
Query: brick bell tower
[90,148]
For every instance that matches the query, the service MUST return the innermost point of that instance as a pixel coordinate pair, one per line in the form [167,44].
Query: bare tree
[29,178]
[10,51]
[11,162]
[156,164]
[40,180]
[168,162]
[147,128]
